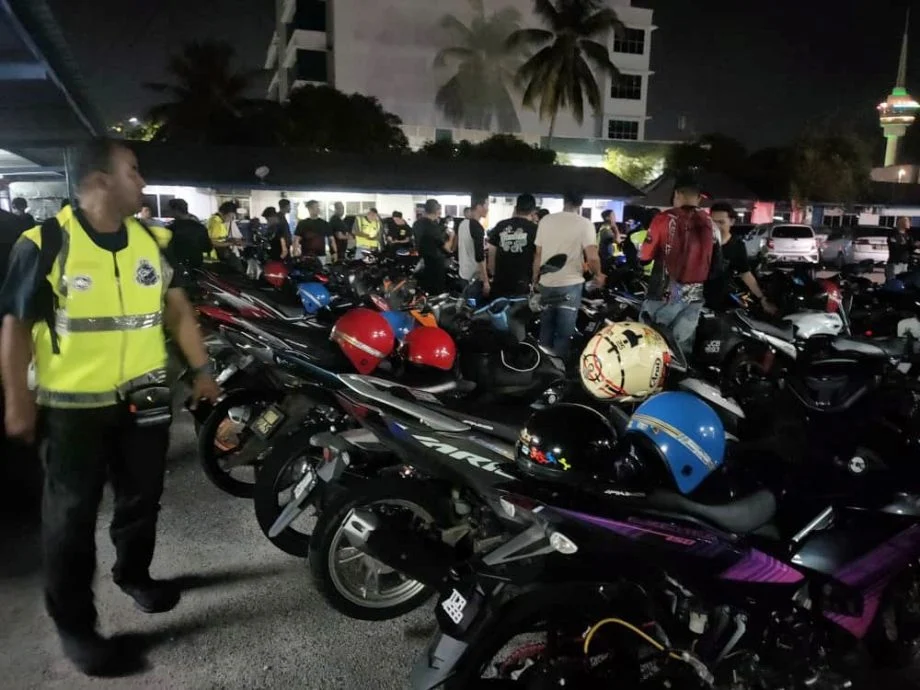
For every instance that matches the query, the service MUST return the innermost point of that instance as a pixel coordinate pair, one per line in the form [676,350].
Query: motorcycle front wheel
[352,582]
[222,440]
[285,466]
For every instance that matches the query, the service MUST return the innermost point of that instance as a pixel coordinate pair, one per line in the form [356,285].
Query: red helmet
[365,338]
[834,296]
[430,347]
[276,273]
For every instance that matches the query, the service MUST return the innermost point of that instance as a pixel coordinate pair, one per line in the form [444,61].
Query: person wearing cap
[190,242]
[433,248]
[681,242]
[219,230]
[367,232]
[398,233]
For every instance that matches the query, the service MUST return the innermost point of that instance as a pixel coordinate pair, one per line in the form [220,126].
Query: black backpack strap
[52,239]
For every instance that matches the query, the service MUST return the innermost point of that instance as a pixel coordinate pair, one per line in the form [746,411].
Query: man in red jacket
[680,241]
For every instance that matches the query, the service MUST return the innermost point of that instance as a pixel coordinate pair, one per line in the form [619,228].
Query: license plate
[454,606]
[268,422]
[304,484]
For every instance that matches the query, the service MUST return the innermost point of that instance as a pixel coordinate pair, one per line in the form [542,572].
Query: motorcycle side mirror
[554,264]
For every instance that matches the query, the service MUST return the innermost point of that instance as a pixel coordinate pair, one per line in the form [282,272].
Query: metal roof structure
[235,167]
[717,187]
[43,103]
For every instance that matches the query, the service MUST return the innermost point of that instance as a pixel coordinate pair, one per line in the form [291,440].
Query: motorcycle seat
[276,300]
[875,347]
[743,516]
[434,419]
[511,434]
[785,332]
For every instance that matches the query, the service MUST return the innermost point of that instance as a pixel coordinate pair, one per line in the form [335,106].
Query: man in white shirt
[571,234]
[471,249]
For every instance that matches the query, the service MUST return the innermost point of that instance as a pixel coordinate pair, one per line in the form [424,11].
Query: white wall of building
[387,50]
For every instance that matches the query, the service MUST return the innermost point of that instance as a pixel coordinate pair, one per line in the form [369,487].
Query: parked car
[756,240]
[855,245]
[789,243]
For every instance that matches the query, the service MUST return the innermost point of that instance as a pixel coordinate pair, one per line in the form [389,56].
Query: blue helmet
[894,285]
[684,432]
[400,321]
[314,296]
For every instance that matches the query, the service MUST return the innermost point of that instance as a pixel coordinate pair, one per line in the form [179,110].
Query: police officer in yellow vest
[367,233]
[87,295]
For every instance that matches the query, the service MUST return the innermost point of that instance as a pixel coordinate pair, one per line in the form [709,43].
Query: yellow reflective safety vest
[367,235]
[218,231]
[638,238]
[108,313]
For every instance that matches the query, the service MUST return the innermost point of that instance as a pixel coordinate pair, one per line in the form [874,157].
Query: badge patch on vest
[82,283]
[146,273]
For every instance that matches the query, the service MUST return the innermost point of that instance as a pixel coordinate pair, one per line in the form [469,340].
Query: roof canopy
[229,166]
[716,186]
[43,103]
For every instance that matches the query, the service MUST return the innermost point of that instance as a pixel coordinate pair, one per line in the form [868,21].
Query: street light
[901,173]
[133,120]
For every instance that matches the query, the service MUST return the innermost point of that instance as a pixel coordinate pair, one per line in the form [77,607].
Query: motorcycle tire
[208,451]
[326,534]
[273,474]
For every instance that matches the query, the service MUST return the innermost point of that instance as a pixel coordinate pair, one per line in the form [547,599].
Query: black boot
[94,655]
[152,596]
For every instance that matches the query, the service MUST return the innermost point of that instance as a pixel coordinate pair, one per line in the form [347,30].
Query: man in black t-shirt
[313,233]
[339,228]
[432,248]
[190,241]
[398,233]
[900,246]
[717,290]
[512,249]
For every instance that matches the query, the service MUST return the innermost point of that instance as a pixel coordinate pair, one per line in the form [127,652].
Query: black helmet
[570,443]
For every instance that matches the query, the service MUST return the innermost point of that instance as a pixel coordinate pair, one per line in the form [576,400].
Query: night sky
[759,70]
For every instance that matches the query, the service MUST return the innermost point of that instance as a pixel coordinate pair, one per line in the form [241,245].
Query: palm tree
[559,74]
[208,102]
[485,67]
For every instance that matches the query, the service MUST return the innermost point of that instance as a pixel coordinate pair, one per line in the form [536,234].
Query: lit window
[623,129]
[632,42]
[627,86]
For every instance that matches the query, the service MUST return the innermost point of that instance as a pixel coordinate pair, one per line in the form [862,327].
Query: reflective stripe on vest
[97,324]
[368,235]
[107,320]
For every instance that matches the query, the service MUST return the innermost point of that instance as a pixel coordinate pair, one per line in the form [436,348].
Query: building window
[310,16]
[632,42]
[627,86]
[444,135]
[312,65]
[623,129]
[888,221]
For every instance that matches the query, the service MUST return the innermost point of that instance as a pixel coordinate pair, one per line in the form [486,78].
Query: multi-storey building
[387,50]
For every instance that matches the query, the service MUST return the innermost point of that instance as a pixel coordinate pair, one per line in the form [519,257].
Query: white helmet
[625,361]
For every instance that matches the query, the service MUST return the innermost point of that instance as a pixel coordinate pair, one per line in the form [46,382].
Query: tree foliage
[504,148]
[322,118]
[636,168]
[829,167]
[715,153]
[209,105]
[207,100]
[484,66]
[570,55]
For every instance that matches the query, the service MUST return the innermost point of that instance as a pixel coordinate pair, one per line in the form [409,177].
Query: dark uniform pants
[82,449]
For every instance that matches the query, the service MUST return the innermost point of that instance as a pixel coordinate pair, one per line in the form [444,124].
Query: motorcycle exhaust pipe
[415,556]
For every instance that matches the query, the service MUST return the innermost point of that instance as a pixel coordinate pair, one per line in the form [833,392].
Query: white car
[856,244]
[756,240]
[790,243]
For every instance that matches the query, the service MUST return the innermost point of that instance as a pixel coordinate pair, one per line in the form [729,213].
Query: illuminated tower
[899,110]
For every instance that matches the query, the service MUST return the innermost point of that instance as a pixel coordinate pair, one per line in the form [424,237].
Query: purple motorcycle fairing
[751,566]
[871,573]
